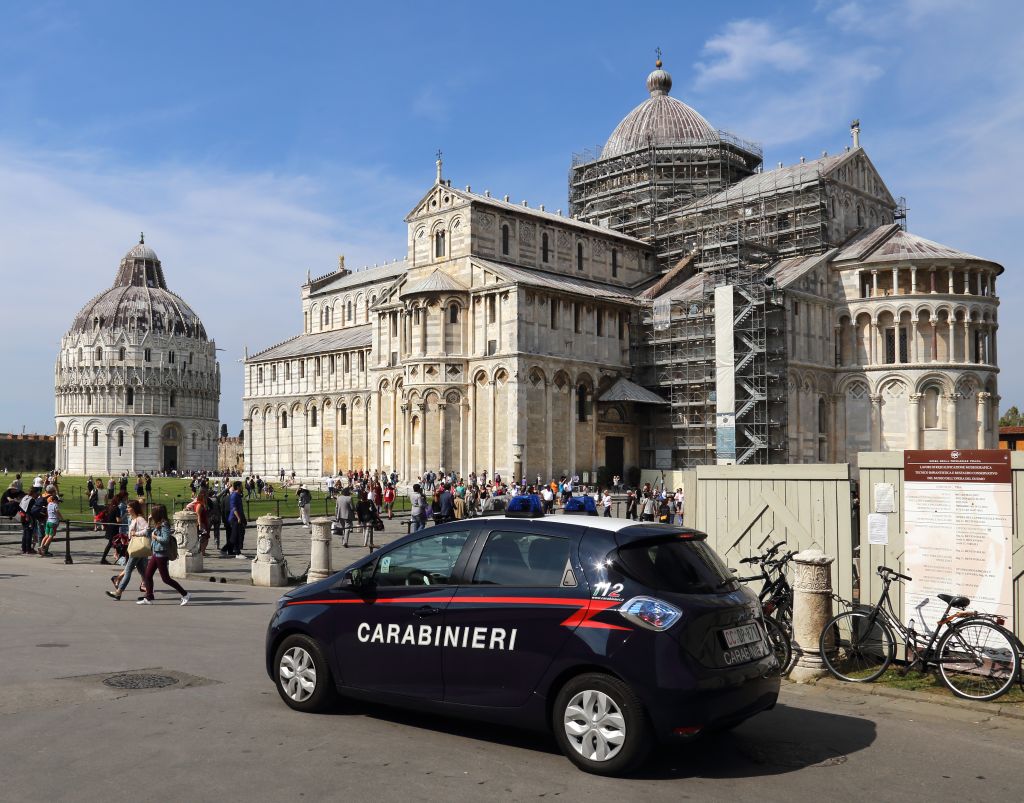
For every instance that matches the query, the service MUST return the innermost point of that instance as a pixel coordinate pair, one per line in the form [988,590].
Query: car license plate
[738,636]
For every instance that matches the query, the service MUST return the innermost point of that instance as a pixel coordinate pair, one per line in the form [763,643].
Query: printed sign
[725,437]
[958,515]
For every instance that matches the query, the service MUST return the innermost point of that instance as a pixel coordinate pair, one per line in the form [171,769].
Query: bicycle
[776,598]
[976,659]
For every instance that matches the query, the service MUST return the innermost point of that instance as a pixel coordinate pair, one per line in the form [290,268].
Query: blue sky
[256,141]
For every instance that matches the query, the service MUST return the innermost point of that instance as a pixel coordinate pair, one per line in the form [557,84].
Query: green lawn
[175,493]
[929,682]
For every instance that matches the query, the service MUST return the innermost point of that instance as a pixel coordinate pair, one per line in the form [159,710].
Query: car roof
[595,523]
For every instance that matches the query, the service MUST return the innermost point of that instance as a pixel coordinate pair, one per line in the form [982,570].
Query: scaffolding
[678,358]
[642,193]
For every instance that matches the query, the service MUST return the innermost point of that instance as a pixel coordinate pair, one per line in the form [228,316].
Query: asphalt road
[221,732]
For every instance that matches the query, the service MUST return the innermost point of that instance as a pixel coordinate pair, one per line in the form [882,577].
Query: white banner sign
[958,517]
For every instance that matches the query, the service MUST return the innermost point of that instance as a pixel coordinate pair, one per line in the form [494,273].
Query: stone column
[812,608]
[914,420]
[983,402]
[896,281]
[876,423]
[471,457]
[186,533]
[422,409]
[571,468]
[320,550]
[931,279]
[269,568]
[915,350]
[950,288]
[549,415]
[441,407]
[913,280]
[967,339]
[874,283]
[490,435]
[406,469]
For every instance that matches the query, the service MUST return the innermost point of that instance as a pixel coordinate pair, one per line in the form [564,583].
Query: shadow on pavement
[780,741]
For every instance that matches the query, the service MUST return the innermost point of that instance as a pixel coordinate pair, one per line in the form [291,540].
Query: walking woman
[417,508]
[159,531]
[110,520]
[136,527]
[366,511]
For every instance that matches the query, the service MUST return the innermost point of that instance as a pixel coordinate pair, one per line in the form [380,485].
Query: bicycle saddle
[954,602]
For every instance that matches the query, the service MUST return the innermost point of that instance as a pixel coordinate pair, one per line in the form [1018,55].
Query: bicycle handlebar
[886,573]
[752,559]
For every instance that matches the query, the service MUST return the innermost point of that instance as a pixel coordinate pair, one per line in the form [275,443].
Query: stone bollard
[186,533]
[320,550]
[269,568]
[812,608]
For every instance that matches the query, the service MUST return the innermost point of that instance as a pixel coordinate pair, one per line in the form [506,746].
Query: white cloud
[235,246]
[746,48]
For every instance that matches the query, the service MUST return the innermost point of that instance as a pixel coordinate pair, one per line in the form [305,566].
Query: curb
[1011,711]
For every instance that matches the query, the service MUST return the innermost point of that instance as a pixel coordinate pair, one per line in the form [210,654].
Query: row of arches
[924,334]
[350,309]
[96,445]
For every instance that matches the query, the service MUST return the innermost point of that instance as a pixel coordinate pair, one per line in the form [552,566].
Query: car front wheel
[303,678]
[601,725]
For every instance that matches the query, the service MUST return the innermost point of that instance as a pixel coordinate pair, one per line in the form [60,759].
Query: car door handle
[426,610]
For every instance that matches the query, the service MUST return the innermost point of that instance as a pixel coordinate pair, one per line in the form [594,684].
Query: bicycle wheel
[779,641]
[978,660]
[1011,635]
[856,649]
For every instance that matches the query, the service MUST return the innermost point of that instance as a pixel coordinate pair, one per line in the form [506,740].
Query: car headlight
[651,613]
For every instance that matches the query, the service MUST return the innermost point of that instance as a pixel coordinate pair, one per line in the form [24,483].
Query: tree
[1012,418]
[241,434]
[223,430]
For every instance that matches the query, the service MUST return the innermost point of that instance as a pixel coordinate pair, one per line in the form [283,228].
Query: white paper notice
[885,497]
[958,512]
[878,528]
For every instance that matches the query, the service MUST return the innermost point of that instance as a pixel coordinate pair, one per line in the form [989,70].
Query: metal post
[67,542]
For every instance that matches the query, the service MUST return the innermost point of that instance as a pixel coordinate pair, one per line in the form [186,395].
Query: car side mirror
[355,579]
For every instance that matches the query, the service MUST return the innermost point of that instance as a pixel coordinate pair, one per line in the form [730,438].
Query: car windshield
[675,564]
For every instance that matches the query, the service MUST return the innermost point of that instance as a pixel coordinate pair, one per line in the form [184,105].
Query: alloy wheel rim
[594,725]
[298,674]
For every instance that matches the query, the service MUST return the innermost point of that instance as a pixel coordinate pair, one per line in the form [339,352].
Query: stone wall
[231,455]
[26,452]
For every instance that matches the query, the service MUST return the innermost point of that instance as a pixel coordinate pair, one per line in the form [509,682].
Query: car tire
[624,736]
[303,676]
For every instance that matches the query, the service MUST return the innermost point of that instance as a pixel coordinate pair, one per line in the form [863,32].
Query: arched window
[821,417]
[259,374]
[343,414]
[453,313]
[439,244]
[74,437]
[129,397]
[170,356]
[120,438]
[581,403]
[348,311]
[615,263]
[284,420]
[88,398]
[579,256]
[120,354]
[95,437]
[312,416]
[504,239]
[99,353]
[193,440]
[79,355]
[145,439]
[173,399]
[544,247]
[860,215]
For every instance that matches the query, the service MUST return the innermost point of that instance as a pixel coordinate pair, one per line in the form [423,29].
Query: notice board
[958,518]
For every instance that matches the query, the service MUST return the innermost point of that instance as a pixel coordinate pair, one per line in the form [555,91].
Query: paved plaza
[219,731]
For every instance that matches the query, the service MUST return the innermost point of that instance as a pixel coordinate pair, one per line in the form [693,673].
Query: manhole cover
[138,680]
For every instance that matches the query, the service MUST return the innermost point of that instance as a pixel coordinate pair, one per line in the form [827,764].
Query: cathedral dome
[660,120]
[140,301]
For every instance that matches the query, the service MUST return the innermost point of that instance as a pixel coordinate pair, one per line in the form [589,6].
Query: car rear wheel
[303,678]
[601,725]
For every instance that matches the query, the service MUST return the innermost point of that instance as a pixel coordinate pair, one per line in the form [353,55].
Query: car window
[522,559]
[686,567]
[426,562]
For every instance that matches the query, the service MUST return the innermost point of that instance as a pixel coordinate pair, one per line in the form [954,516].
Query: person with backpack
[214,512]
[236,523]
[28,510]
[159,531]
[366,512]
[303,497]
[344,512]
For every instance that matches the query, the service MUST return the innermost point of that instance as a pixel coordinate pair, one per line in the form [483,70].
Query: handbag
[138,547]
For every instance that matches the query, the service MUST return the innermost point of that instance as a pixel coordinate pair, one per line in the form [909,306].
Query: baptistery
[137,384]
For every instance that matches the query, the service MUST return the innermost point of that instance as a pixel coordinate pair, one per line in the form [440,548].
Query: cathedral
[690,307]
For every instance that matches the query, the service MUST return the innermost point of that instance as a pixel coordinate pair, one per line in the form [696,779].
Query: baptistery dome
[137,381]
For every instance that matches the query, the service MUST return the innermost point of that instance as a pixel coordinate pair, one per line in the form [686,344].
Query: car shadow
[785,739]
